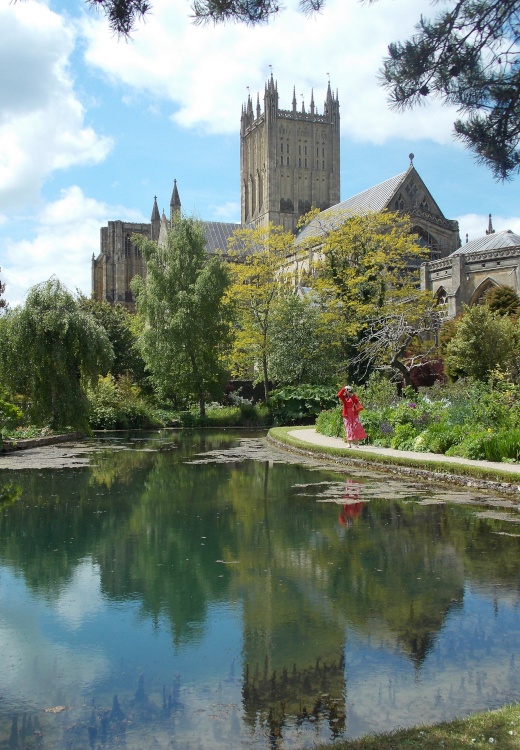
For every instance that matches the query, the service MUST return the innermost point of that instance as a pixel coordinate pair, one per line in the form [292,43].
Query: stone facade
[289,159]
[464,276]
[289,163]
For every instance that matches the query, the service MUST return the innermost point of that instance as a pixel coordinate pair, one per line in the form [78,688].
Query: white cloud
[205,71]
[475,225]
[65,237]
[226,212]
[42,124]
[81,597]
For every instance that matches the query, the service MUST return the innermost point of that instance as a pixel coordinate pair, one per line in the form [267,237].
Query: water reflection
[217,602]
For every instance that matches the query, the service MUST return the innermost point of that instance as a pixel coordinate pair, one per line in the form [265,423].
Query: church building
[289,163]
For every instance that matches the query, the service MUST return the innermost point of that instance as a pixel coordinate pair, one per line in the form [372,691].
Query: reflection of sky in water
[471,667]
[182,574]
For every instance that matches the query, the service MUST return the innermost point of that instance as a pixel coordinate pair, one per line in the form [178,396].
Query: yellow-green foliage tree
[369,278]
[259,276]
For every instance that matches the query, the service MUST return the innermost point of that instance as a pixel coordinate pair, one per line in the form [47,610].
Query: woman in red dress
[351,407]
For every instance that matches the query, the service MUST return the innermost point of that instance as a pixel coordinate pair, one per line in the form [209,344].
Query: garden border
[468,476]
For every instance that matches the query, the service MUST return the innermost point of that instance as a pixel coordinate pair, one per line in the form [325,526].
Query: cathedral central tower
[289,159]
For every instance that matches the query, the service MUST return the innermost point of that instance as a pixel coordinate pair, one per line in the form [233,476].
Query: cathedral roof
[375,198]
[217,234]
[496,241]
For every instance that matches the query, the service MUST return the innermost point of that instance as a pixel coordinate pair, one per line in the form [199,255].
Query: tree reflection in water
[281,620]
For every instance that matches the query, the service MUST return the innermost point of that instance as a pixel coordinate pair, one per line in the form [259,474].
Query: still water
[202,590]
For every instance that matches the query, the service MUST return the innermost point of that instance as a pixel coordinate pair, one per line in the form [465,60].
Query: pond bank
[504,478]
[8,445]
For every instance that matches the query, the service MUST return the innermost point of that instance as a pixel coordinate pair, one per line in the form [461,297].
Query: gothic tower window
[246,198]
[425,239]
[399,203]
[424,205]
[128,246]
[299,162]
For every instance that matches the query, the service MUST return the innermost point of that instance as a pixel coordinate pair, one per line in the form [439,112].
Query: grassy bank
[500,728]
[422,462]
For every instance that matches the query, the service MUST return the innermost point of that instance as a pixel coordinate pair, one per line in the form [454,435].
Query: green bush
[439,437]
[118,405]
[404,437]
[300,404]
[330,423]
[472,446]
[504,445]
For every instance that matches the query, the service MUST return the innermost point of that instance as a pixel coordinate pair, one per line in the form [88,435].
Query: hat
[348,388]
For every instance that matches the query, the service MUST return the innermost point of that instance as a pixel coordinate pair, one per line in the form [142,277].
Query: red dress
[351,408]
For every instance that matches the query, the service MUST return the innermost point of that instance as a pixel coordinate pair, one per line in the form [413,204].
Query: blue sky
[92,127]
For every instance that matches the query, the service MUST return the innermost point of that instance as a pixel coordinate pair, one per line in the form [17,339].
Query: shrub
[439,437]
[404,437]
[300,404]
[118,404]
[471,447]
[330,423]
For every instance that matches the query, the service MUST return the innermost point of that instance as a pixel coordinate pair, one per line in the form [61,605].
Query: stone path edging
[507,488]
[19,445]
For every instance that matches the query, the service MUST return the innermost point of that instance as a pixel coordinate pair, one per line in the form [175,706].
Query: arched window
[399,203]
[477,298]
[425,239]
[128,246]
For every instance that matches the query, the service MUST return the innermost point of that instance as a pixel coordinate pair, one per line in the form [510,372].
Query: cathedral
[289,163]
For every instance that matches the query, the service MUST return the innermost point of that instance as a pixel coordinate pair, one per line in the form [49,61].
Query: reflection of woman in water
[352,505]
[351,407]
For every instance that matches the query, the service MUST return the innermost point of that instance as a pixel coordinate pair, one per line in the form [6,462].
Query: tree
[502,300]
[120,326]
[49,349]
[404,339]
[370,262]
[3,301]
[187,314]
[260,256]
[301,349]
[482,342]
[368,281]
[467,56]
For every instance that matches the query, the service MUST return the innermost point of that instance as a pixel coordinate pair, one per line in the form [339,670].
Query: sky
[92,127]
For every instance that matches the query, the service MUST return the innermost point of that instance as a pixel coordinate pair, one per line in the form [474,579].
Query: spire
[312,101]
[294,99]
[155,221]
[490,229]
[258,111]
[155,211]
[175,203]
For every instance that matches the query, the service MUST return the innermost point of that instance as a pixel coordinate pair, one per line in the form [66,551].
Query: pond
[205,590]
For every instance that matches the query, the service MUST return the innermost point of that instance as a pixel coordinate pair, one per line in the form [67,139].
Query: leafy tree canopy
[259,276]
[502,300]
[187,314]
[370,262]
[49,348]
[483,341]
[121,328]
[301,347]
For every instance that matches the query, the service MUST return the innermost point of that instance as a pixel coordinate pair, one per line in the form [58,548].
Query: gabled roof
[376,198]
[217,234]
[496,241]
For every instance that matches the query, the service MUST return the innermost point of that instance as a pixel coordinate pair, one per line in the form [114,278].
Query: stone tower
[289,159]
